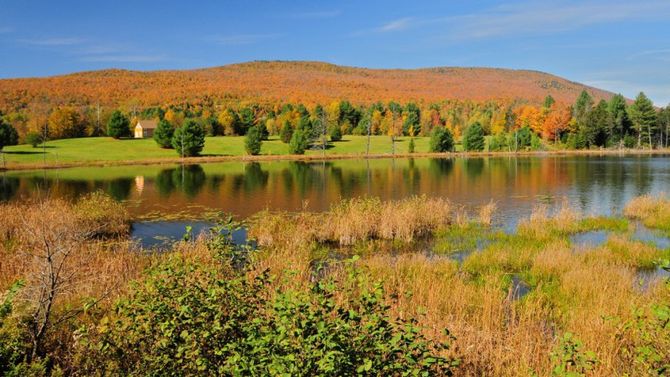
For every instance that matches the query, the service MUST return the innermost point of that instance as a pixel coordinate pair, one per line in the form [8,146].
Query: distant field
[108,149]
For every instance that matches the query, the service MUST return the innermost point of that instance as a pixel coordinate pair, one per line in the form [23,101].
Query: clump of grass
[542,226]
[486,213]
[622,251]
[102,214]
[613,224]
[653,211]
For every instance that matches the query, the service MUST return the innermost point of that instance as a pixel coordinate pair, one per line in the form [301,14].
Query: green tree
[189,139]
[299,142]
[335,134]
[118,125]
[441,140]
[410,146]
[548,101]
[34,139]
[473,140]
[163,134]
[522,138]
[596,126]
[286,132]
[253,141]
[8,134]
[620,123]
[582,108]
[412,114]
[643,115]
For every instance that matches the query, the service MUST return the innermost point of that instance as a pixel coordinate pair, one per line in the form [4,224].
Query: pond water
[592,184]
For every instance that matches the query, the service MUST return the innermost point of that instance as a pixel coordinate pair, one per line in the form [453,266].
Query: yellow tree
[174,117]
[65,122]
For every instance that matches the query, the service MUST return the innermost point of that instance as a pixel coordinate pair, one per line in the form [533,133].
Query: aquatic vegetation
[524,302]
[652,210]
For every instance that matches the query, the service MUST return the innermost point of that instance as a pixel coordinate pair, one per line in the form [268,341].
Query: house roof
[147,124]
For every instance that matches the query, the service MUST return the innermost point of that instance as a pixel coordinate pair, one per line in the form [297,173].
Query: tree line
[515,126]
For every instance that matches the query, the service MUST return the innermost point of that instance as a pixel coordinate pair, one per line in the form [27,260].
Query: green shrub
[196,318]
[335,134]
[570,360]
[34,139]
[118,125]
[535,142]
[252,141]
[299,143]
[410,146]
[441,140]
[8,134]
[473,140]
[189,139]
[163,134]
[521,139]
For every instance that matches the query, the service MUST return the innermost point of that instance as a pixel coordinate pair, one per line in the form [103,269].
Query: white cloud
[396,25]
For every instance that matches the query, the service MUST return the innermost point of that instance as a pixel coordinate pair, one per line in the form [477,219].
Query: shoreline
[327,157]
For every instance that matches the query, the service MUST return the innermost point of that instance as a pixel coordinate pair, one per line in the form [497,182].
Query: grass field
[108,149]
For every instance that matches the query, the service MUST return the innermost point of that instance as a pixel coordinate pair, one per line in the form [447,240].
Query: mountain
[272,81]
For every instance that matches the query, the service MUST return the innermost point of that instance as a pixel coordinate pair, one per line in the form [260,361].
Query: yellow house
[145,128]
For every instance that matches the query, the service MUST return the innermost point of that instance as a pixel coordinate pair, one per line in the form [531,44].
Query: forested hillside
[296,82]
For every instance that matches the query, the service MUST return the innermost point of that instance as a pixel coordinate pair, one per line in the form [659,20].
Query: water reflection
[594,185]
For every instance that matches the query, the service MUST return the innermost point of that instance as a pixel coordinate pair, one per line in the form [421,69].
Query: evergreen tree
[163,134]
[286,132]
[548,101]
[263,129]
[664,126]
[189,139]
[410,147]
[643,115]
[473,140]
[582,107]
[620,122]
[441,140]
[596,125]
[299,142]
[8,134]
[118,125]
[412,115]
[253,141]
[335,134]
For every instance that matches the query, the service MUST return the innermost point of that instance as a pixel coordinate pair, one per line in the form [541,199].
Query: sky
[621,46]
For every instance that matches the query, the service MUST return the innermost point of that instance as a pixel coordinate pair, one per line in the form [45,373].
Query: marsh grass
[652,210]
[592,294]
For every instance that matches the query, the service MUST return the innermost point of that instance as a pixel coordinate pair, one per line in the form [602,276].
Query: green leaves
[198,318]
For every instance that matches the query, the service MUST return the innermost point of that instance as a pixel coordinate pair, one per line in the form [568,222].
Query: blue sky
[622,46]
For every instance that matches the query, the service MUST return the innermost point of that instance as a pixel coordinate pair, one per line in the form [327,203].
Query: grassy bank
[105,151]
[365,288]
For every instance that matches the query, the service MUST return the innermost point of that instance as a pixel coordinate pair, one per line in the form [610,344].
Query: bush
[521,139]
[441,140]
[629,141]
[8,134]
[252,142]
[410,147]
[263,129]
[286,133]
[473,140]
[34,139]
[163,134]
[189,139]
[118,125]
[299,143]
[535,142]
[335,134]
[194,318]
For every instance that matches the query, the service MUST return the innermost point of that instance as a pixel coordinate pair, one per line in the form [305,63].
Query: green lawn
[108,149]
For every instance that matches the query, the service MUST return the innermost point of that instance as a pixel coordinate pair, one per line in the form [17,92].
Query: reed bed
[652,210]
[593,293]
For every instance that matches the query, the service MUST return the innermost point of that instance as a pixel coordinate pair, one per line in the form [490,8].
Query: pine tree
[253,141]
[620,123]
[643,115]
[441,140]
[286,132]
[473,140]
[189,139]
[163,134]
[118,125]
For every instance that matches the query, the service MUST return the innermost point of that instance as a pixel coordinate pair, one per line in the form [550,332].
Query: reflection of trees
[254,178]
[441,167]
[188,179]
[163,182]
[474,167]
[8,187]
[120,188]
[412,177]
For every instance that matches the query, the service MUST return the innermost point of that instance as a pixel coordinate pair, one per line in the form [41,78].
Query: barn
[145,128]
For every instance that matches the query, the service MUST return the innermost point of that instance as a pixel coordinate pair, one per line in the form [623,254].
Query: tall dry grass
[652,210]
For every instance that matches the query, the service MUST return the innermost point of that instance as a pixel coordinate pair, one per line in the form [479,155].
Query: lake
[592,184]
